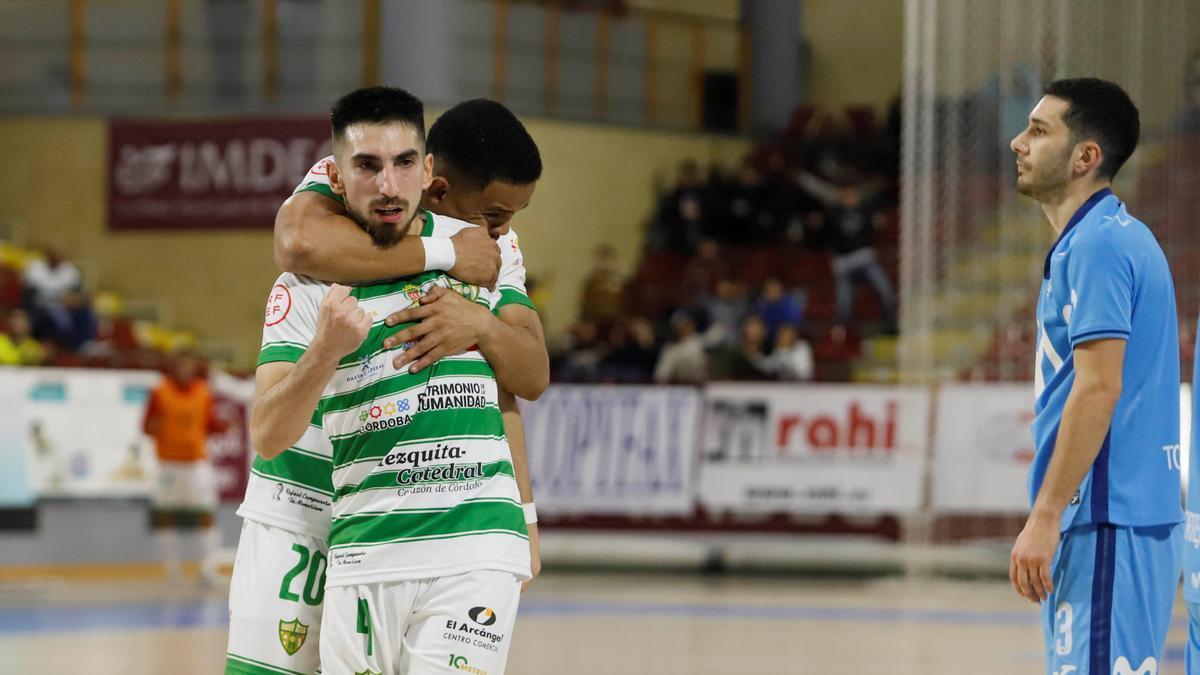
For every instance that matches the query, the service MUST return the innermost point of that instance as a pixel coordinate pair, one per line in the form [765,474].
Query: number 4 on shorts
[364,623]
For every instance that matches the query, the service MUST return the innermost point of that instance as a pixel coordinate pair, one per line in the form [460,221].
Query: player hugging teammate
[388,521]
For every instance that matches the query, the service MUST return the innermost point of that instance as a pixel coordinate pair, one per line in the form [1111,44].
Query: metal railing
[643,67]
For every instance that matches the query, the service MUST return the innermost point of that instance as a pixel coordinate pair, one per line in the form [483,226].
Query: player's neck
[1059,212]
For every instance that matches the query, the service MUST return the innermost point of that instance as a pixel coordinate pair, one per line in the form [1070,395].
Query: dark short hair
[482,141]
[1102,111]
[377,105]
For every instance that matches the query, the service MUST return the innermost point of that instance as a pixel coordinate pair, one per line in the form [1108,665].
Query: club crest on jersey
[292,635]
[466,290]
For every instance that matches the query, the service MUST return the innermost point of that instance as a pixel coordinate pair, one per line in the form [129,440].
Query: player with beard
[359,180]
[1100,549]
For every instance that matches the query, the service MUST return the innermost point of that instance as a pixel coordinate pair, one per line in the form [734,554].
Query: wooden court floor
[583,624]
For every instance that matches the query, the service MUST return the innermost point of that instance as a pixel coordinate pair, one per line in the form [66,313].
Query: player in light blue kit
[1191,532]
[1101,550]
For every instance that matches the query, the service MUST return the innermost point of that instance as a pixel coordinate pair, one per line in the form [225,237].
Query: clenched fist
[341,324]
[476,258]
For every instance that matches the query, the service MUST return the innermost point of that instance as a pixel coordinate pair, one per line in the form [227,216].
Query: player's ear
[437,189]
[428,171]
[335,178]
[1090,157]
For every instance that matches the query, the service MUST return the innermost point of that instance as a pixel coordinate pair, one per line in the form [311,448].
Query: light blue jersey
[1191,536]
[1107,277]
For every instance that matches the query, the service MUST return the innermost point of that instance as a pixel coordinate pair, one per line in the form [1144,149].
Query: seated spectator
[750,217]
[776,306]
[17,346]
[725,313]
[792,358]
[580,360]
[680,219]
[683,360]
[600,300]
[704,272]
[633,352]
[60,310]
[746,361]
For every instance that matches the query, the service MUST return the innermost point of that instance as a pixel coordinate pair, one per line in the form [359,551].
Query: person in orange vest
[179,417]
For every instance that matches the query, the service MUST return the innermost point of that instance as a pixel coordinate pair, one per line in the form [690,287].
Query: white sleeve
[317,178]
[510,288]
[290,321]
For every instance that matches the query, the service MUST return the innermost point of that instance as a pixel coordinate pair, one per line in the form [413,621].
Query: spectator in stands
[777,306]
[683,360]
[633,352]
[746,361]
[17,346]
[179,417]
[852,216]
[750,217]
[579,360]
[704,272]
[680,221]
[48,283]
[792,357]
[725,313]
[600,300]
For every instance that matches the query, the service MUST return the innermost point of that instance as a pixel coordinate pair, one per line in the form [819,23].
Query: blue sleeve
[1101,281]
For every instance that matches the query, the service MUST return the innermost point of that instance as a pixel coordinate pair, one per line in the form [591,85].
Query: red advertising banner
[200,175]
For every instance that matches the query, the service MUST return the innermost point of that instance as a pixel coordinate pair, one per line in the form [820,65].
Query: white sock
[168,550]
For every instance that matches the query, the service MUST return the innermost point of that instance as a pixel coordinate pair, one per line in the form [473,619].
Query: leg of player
[275,602]
[462,623]
[1111,605]
[363,627]
[1192,656]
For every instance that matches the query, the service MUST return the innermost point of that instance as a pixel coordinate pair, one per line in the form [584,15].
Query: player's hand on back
[342,324]
[476,258]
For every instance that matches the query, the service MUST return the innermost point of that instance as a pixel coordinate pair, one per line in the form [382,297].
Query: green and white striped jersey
[294,491]
[422,475]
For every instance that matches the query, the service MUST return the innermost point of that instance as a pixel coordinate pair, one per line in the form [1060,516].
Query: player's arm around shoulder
[292,374]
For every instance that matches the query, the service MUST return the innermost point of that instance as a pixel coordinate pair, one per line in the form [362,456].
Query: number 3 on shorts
[364,622]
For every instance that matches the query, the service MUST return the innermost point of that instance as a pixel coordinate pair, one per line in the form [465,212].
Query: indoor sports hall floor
[575,623]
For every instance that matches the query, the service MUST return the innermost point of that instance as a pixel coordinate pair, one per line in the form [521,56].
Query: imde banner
[613,450]
[813,449]
[983,448]
[233,173]
[78,433]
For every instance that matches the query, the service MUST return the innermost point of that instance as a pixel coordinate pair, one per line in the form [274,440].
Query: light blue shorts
[1111,606]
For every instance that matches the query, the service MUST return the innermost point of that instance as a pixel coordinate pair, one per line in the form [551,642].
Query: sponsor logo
[1196,580]
[292,635]
[278,305]
[385,415]
[858,433]
[460,663]
[415,458]
[1123,667]
[278,491]
[440,473]
[366,372]
[144,169]
[470,633]
[484,616]
[452,395]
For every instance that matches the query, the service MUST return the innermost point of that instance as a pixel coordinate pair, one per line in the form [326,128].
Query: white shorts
[458,624]
[275,600]
[186,486]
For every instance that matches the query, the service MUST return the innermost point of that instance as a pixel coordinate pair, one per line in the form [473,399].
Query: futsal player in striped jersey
[488,192]
[1100,550]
